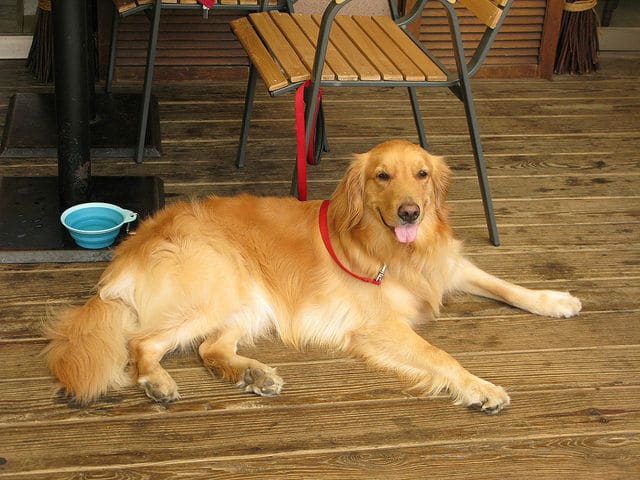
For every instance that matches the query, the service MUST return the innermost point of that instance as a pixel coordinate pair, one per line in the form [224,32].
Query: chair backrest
[487,11]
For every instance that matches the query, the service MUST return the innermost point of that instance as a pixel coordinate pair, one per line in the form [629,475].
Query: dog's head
[397,184]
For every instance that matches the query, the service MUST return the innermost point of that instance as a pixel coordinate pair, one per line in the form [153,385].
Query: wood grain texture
[564,169]
[259,55]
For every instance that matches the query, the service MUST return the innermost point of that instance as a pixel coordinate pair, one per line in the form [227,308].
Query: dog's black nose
[409,212]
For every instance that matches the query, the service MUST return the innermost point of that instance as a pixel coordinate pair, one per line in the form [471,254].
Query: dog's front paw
[557,304]
[265,383]
[484,396]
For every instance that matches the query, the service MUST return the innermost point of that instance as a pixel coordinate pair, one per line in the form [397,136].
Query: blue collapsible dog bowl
[96,224]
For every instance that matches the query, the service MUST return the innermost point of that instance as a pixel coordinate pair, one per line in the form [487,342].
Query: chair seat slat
[125,5]
[432,72]
[383,64]
[299,41]
[259,55]
[337,63]
[362,66]
[388,53]
[409,70]
[281,49]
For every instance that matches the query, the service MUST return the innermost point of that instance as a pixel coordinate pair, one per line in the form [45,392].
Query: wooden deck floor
[564,165]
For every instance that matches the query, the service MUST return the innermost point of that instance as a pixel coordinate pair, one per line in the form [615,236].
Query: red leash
[304,156]
[324,233]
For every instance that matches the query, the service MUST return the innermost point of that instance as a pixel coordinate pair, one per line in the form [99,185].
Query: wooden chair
[287,49]
[152,9]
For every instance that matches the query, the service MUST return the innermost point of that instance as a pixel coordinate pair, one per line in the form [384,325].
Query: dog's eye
[383,176]
[423,174]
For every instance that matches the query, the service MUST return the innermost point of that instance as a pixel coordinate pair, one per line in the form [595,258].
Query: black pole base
[30,128]
[30,229]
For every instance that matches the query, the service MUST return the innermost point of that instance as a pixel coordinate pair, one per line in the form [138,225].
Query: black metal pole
[92,57]
[72,100]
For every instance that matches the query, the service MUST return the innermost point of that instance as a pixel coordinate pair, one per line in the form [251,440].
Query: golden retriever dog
[353,274]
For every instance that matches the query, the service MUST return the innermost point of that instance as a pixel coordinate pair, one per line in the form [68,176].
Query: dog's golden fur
[226,271]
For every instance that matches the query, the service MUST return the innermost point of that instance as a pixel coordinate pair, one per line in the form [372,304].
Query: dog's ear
[347,201]
[441,178]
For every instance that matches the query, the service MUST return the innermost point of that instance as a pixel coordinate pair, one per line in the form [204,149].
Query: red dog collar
[324,232]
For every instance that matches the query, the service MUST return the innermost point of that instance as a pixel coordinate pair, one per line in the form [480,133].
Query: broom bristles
[40,59]
[577,51]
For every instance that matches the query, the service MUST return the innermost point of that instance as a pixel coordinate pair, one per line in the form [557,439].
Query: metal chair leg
[115,26]
[148,80]
[293,190]
[463,92]
[481,170]
[417,116]
[246,116]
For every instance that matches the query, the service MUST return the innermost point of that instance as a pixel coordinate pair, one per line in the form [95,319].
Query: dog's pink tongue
[406,233]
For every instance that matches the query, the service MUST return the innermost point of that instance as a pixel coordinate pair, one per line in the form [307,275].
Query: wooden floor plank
[360,126]
[590,456]
[215,111]
[189,165]
[408,422]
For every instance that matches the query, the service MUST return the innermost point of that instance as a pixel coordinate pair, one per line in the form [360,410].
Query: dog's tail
[88,348]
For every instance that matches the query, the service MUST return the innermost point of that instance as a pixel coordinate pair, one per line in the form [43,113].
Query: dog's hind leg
[393,345]
[219,354]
